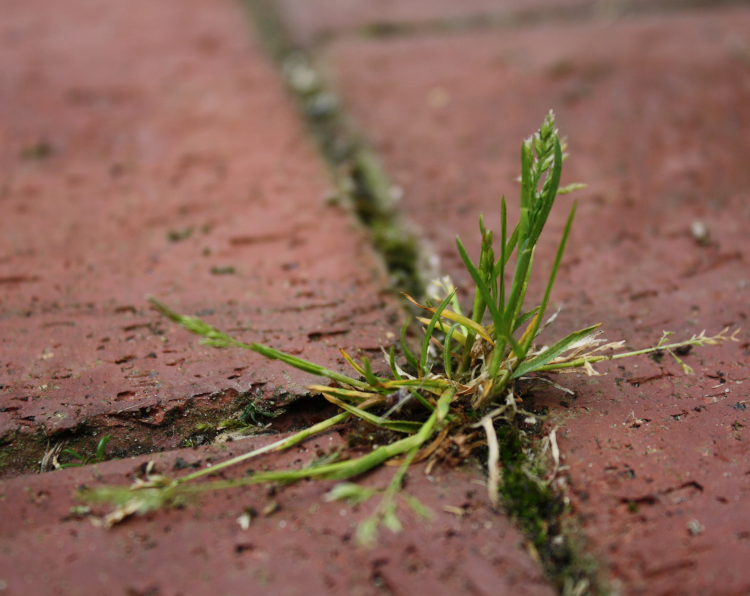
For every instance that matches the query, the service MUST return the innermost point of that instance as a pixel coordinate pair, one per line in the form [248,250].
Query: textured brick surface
[309,21]
[150,149]
[141,147]
[655,110]
[304,546]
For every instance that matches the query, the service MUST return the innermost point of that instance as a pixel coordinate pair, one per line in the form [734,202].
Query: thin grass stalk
[537,321]
[501,274]
[428,333]
[407,352]
[346,469]
[579,362]
[276,446]
[447,354]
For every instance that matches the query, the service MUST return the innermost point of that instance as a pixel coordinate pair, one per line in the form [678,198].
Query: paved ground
[152,149]
[147,152]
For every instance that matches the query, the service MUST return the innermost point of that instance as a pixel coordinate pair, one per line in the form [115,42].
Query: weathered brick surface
[309,21]
[655,110]
[141,146]
[150,149]
[302,545]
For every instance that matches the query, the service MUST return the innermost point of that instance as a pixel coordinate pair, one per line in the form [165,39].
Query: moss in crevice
[540,512]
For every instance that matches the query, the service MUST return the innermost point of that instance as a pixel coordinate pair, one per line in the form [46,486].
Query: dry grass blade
[493,461]
[448,314]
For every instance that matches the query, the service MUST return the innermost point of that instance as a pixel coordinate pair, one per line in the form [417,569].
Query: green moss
[542,515]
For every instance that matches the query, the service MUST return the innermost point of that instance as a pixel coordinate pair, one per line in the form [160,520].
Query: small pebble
[700,233]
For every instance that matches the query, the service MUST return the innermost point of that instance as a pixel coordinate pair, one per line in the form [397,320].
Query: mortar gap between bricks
[274,34]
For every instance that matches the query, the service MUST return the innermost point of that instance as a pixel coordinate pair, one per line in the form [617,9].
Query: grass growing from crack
[52,454]
[462,394]
[101,448]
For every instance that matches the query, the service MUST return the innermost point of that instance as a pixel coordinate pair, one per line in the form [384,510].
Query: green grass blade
[102,447]
[510,246]
[345,394]
[425,404]
[553,274]
[72,453]
[275,446]
[527,192]
[553,352]
[525,317]
[526,178]
[303,365]
[500,273]
[457,335]
[407,353]
[452,316]
[371,379]
[519,350]
[497,317]
[218,339]
[348,469]
[401,426]
[523,287]
[524,266]
[392,363]
[432,385]
[428,333]
[553,183]
[351,362]
[447,356]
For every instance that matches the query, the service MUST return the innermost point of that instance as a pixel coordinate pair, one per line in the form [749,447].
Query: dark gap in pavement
[144,429]
[608,10]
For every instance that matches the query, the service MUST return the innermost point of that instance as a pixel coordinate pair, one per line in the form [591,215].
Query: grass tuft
[460,386]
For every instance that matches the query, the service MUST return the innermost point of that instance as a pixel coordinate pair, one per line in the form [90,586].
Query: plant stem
[579,362]
[277,446]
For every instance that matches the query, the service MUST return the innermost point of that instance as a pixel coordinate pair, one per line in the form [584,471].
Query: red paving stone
[310,21]
[656,112]
[160,119]
[306,546]
[123,125]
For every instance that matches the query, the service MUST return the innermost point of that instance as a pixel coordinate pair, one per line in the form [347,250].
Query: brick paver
[313,21]
[152,150]
[149,147]
[655,108]
[300,545]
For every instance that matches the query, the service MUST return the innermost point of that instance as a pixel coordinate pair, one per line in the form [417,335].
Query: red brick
[309,21]
[306,546]
[159,118]
[656,112]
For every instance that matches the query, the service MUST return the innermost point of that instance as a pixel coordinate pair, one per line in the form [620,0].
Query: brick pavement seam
[610,10]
